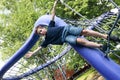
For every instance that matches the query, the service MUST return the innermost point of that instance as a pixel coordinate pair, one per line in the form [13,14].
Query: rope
[73,10]
[115,23]
[32,71]
[114,4]
[95,23]
[109,34]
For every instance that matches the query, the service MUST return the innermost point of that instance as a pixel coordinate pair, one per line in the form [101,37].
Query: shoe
[103,48]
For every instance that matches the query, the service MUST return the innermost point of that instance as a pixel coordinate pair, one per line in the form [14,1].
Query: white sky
[5,11]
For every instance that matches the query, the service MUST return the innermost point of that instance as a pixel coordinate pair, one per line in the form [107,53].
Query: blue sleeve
[52,23]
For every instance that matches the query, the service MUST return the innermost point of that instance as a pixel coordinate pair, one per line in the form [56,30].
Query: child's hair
[38,27]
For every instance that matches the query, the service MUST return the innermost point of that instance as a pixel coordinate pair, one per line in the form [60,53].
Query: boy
[69,34]
[58,32]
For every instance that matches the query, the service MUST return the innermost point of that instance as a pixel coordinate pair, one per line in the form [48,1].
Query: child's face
[41,30]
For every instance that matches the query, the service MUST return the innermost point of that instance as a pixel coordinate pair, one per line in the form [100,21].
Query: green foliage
[117,2]
[74,60]
[88,8]
[17,25]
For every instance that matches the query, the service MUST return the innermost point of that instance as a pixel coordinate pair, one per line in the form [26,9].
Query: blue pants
[71,33]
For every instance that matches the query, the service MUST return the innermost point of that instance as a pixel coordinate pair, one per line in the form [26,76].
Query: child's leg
[76,40]
[88,43]
[93,33]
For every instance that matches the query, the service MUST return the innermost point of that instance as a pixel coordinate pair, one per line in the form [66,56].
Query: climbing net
[43,66]
[106,23]
[17,72]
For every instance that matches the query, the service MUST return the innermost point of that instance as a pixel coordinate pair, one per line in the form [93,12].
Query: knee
[71,40]
[81,41]
[85,31]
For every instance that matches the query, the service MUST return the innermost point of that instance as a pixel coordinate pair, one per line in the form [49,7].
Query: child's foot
[103,48]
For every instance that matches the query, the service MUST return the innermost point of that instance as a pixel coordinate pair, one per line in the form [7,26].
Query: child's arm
[52,22]
[29,54]
[53,10]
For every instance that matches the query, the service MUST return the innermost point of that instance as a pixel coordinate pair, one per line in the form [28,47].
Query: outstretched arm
[29,54]
[53,10]
[52,22]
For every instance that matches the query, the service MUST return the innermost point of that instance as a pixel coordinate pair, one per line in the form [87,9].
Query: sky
[5,11]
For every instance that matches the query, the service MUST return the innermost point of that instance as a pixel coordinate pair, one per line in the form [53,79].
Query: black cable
[114,4]
[109,33]
[115,23]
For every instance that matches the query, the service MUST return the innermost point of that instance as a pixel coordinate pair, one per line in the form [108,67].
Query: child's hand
[29,54]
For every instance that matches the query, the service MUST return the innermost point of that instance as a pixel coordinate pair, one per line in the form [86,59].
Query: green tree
[18,24]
